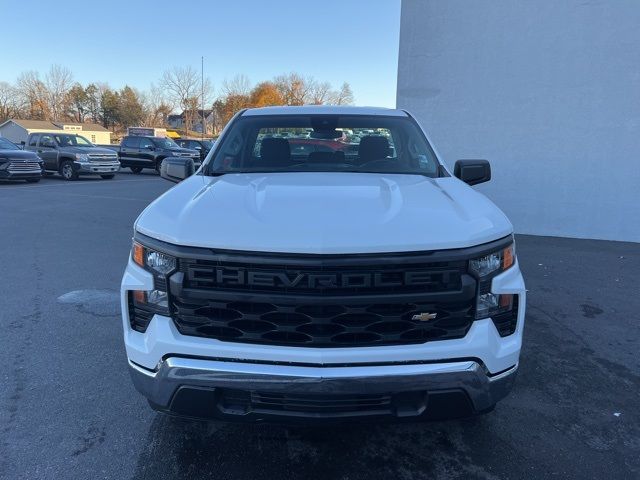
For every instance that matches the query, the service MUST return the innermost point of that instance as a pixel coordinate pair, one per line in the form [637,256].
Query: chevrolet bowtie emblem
[425,317]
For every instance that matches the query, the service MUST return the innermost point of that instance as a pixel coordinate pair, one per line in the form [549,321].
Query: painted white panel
[548,91]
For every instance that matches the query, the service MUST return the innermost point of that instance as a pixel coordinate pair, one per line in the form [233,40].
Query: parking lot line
[68,184]
[107,197]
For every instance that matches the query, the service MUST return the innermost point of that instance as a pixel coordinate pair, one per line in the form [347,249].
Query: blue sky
[132,42]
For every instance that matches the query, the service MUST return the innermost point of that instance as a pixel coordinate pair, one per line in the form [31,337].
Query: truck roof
[324,110]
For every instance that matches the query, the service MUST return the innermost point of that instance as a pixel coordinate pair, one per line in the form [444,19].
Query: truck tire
[66,170]
[136,169]
[108,176]
[159,165]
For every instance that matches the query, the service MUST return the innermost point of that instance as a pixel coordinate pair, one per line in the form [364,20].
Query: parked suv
[138,152]
[16,164]
[202,146]
[280,285]
[72,155]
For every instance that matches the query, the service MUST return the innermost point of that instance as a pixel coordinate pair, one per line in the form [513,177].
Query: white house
[18,130]
[178,121]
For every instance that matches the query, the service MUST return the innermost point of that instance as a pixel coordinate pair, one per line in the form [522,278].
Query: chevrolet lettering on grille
[229,277]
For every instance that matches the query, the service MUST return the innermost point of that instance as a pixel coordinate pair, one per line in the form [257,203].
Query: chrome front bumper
[176,375]
[97,167]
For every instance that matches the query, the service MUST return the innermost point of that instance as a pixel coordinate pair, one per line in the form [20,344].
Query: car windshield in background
[324,143]
[7,145]
[165,143]
[72,141]
[207,144]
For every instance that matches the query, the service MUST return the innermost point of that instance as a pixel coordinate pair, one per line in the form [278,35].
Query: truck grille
[94,157]
[15,167]
[337,301]
[315,325]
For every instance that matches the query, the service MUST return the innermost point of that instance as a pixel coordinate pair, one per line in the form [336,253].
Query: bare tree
[9,104]
[182,85]
[157,107]
[238,85]
[344,96]
[294,88]
[320,92]
[33,95]
[58,82]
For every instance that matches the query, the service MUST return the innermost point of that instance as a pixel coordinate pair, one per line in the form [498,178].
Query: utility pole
[202,101]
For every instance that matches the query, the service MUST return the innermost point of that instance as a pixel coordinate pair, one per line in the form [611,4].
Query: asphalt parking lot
[69,410]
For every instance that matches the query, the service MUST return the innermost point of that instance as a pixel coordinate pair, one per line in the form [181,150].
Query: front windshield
[72,141]
[7,145]
[165,143]
[207,144]
[324,143]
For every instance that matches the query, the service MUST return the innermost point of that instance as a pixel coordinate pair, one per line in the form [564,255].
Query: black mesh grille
[322,325]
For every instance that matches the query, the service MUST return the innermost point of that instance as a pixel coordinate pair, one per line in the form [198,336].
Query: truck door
[48,151]
[129,151]
[146,155]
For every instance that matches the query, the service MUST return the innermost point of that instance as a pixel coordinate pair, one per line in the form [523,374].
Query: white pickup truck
[323,264]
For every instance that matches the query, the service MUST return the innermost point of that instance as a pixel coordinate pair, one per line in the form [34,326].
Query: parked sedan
[17,164]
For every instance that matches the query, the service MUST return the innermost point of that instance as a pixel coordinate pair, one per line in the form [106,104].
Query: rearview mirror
[473,172]
[176,169]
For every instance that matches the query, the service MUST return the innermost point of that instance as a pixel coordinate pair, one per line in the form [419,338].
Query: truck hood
[19,155]
[323,213]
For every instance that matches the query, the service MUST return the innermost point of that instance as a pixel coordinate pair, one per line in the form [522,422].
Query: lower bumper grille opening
[197,402]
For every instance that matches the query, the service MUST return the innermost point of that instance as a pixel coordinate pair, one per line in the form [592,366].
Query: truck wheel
[66,170]
[158,165]
[109,176]
[136,169]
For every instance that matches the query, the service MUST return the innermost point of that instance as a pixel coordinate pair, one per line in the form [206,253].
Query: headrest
[373,147]
[275,152]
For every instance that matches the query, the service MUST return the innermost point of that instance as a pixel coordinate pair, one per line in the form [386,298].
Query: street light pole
[202,102]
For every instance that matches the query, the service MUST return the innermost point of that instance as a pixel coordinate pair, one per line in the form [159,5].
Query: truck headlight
[149,259]
[497,261]
[82,157]
[143,304]
[484,269]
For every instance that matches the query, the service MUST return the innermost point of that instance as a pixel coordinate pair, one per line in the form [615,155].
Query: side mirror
[473,172]
[176,169]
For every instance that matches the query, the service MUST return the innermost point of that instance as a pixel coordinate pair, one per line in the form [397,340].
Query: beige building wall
[96,137]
